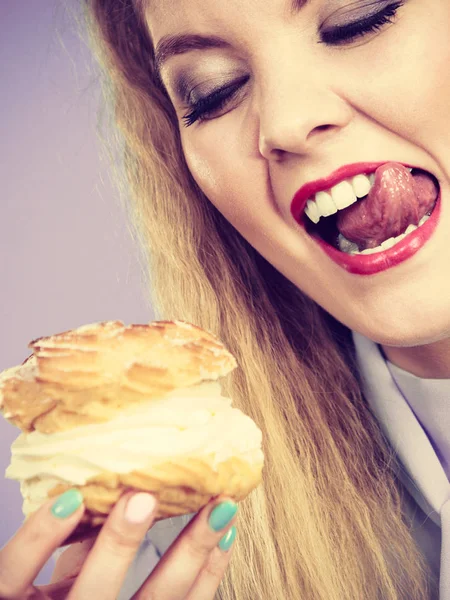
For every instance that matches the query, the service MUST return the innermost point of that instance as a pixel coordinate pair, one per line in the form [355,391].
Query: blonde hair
[327,522]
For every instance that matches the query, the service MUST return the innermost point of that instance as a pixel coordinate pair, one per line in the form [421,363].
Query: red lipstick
[364,264]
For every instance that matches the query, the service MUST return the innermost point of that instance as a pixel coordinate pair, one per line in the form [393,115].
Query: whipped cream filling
[196,421]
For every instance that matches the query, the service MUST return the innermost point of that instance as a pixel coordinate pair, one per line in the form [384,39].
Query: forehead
[203,16]
[171,16]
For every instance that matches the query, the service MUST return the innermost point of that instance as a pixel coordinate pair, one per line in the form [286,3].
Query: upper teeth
[340,196]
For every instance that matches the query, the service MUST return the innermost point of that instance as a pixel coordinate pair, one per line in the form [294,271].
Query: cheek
[433,91]
[409,85]
[425,86]
[232,177]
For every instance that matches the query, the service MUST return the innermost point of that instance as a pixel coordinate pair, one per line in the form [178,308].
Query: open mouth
[363,212]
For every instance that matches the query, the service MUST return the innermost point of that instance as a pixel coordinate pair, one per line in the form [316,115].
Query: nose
[298,116]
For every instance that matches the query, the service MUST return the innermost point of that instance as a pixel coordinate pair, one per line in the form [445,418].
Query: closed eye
[347,33]
[209,106]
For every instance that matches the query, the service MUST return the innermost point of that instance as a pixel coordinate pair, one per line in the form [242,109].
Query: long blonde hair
[327,522]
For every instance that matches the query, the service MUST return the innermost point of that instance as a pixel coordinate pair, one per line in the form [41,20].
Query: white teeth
[312,210]
[325,204]
[349,247]
[343,195]
[340,196]
[390,242]
[411,227]
[361,185]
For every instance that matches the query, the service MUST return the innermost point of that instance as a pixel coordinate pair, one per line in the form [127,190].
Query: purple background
[66,257]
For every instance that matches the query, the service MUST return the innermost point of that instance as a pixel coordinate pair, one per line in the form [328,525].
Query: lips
[321,185]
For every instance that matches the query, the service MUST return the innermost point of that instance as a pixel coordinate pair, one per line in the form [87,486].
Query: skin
[308,109]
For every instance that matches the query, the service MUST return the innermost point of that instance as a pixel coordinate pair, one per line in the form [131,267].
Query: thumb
[71,561]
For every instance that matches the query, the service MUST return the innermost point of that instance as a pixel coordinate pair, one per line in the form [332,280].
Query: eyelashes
[215,101]
[211,104]
[351,31]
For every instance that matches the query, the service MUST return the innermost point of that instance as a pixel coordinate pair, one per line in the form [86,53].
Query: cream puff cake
[108,408]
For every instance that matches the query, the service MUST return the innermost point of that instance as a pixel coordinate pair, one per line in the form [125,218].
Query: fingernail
[67,504]
[139,507]
[222,515]
[228,539]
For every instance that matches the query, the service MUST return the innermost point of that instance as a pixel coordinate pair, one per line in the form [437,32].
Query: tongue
[397,199]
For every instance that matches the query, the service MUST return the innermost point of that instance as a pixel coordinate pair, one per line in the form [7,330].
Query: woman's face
[309,99]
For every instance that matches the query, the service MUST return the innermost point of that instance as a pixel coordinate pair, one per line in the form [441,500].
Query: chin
[405,334]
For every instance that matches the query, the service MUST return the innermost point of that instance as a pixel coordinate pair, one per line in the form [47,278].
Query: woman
[231,116]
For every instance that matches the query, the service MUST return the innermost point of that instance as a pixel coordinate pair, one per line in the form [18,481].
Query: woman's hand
[191,569]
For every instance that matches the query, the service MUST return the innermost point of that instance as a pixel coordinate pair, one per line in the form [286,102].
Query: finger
[177,571]
[29,549]
[105,568]
[207,582]
[55,591]
[70,562]
[82,535]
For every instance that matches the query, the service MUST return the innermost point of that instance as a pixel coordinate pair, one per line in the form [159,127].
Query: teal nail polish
[67,504]
[228,539]
[222,515]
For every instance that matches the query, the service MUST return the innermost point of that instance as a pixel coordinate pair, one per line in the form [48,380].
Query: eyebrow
[173,45]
